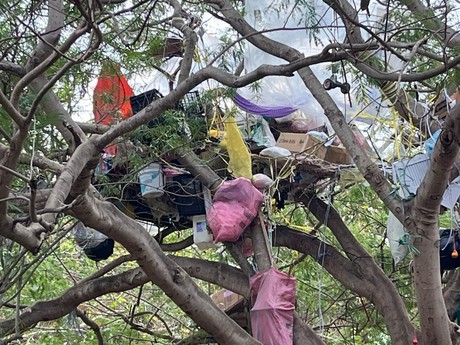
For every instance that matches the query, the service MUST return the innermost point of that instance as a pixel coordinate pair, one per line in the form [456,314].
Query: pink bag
[272,315]
[234,207]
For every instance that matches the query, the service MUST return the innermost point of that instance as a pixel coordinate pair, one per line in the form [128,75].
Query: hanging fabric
[111,98]
[449,245]
[273,296]
[272,112]
[95,244]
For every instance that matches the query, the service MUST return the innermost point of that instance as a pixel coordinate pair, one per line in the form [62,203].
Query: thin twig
[107,268]
[15,173]
[93,325]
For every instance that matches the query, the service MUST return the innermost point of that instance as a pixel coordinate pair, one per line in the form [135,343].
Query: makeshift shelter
[273,296]
[285,98]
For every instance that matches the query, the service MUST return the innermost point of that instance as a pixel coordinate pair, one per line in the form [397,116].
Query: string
[322,252]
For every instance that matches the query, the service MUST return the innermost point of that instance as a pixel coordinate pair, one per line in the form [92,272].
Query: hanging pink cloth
[272,314]
[234,207]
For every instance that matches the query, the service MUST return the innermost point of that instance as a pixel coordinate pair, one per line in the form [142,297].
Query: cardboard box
[337,155]
[226,299]
[302,143]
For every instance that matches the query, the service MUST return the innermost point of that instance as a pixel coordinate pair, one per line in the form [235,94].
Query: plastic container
[151,180]
[201,236]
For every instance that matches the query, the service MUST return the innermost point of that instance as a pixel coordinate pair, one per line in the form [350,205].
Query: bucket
[152,181]
[201,236]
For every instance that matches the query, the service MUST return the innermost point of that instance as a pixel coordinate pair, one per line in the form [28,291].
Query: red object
[272,315]
[111,98]
[415,341]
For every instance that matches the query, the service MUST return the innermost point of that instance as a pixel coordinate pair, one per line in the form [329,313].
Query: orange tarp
[111,99]
[111,96]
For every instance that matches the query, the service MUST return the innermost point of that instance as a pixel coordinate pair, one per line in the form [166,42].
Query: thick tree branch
[424,229]
[216,273]
[172,279]
[190,42]
[396,319]
[451,295]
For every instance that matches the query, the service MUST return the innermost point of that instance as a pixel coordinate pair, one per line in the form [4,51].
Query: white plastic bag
[275,152]
[395,233]
[261,181]
[262,134]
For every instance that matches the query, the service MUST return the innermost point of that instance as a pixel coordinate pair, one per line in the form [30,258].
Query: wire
[322,253]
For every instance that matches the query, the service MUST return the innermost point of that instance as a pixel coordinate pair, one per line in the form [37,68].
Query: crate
[139,102]
[191,104]
[186,193]
[226,299]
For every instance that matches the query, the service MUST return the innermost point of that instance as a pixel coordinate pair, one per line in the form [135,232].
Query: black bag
[95,245]
[449,242]
[102,251]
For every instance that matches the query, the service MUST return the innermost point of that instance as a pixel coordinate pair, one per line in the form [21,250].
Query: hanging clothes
[240,164]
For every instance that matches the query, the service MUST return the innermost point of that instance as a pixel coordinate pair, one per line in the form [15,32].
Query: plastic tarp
[255,109]
[111,99]
[240,164]
[234,207]
[408,174]
[272,313]
[280,91]
[111,96]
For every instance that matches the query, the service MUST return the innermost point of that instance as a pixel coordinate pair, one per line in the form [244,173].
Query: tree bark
[170,277]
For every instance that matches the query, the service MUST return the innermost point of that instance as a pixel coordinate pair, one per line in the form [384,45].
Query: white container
[151,180]
[201,237]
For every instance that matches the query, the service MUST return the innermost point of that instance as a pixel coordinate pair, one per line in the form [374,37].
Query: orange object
[111,96]
[111,99]
[454,254]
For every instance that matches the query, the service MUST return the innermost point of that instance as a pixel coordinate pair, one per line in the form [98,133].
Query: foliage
[131,34]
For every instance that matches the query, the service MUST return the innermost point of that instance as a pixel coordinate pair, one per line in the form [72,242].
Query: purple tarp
[255,109]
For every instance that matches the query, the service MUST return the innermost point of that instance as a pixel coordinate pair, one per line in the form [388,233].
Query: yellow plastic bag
[240,158]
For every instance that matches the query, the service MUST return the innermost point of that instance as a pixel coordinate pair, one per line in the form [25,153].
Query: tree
[50,50]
